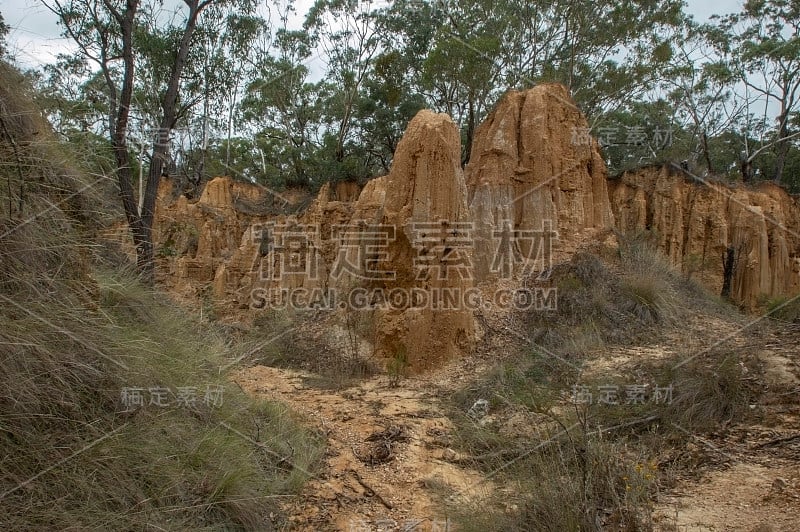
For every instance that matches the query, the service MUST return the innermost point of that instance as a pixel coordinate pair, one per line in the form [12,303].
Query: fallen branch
[777,441]
[371,491]
[502,455]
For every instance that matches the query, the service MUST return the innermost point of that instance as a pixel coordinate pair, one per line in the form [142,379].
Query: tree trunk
[470,132]
[119,140]
[746,169]
[782,144]
[231,111]
[707,153]
[141,176]
[782,148]
[145,259]
[343,127]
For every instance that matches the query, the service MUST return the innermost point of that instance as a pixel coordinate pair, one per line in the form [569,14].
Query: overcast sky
[35,36]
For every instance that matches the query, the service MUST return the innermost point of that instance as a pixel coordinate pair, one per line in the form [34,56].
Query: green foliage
[254,102]
[397,367]
[3,35]
[641,133]
[784,309]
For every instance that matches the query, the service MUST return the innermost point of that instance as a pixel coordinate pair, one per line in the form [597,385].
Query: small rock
[479,409]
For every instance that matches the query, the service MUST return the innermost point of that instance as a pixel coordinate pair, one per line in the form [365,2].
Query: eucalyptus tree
[282,105]
[231,45]
[105,32]
[707,105]
[760,47]
[608,53]
[347,33]
[72,96]
[3,34]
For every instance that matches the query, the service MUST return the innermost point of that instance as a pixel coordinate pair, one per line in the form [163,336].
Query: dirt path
[388,464]
[750,477]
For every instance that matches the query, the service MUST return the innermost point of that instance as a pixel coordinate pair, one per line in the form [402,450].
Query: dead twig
[371,491]
[777,441]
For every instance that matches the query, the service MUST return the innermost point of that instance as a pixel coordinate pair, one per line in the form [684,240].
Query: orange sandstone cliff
[695,223]
[535,187]
[530,166]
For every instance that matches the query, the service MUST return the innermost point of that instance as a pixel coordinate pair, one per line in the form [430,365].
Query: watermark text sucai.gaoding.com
[438,299]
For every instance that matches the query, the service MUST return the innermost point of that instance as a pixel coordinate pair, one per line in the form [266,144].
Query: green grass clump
[784,309]
[96,462]
[76,337]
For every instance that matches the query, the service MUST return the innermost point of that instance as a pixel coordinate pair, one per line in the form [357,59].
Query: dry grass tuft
[593,466]
[75,337]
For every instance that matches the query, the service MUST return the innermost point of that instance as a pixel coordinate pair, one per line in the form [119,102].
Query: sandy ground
[752,480]
[389,465]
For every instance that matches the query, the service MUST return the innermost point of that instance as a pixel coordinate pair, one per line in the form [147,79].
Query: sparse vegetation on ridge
[588,462]
[76,337]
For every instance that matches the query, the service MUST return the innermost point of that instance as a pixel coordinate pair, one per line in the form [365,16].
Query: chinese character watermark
[613,394]
[657,138]
[164,397]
